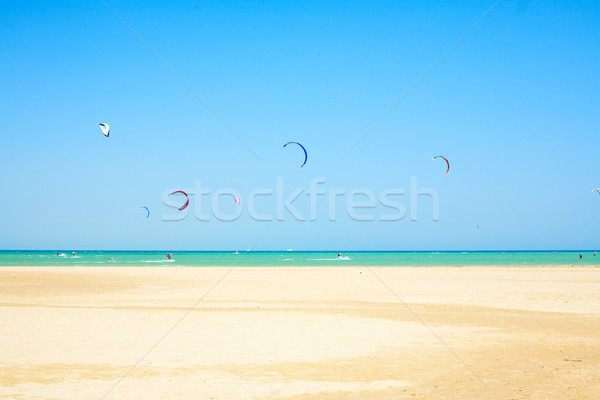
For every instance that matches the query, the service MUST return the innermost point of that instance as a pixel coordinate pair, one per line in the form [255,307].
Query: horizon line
[310,251]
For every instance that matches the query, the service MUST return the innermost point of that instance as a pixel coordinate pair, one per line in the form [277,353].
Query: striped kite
[187,199]
[447,163]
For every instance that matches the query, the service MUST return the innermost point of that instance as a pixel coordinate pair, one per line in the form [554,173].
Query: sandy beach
[300,333]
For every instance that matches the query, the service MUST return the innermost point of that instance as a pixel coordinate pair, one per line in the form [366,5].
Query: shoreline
[337,266]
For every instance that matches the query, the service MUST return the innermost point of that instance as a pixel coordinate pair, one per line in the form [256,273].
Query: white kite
[105,128]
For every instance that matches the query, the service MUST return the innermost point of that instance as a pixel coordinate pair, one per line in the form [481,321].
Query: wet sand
[300,333]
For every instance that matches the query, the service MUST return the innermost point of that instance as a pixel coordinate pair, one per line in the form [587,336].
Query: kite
[237,201]
[477,225]
[596,190]
[187,199]
[105,128]
[147,210]
[305,153]
[447,163]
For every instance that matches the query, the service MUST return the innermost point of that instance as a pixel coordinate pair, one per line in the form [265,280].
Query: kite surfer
[169,256]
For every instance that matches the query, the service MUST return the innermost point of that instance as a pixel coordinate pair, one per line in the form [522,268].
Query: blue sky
[514,107]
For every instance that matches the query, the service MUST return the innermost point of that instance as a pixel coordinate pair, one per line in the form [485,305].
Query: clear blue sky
[514,107]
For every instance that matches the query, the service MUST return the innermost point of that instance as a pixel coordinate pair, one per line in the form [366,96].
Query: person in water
[169,256]
[580,256]
[339,255]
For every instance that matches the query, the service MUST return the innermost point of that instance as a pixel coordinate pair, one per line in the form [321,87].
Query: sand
[300,333]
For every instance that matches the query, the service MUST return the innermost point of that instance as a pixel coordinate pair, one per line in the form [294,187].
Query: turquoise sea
[295,258]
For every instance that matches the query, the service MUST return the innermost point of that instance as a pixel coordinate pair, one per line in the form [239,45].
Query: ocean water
[295,258]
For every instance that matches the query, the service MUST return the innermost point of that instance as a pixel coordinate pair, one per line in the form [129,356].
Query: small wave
[331,259]
[288,259]
[157,261]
